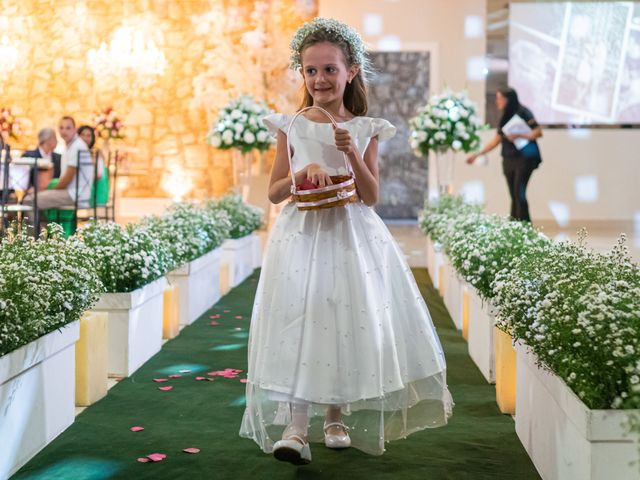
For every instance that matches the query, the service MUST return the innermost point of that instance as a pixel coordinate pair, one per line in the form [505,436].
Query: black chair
[5,158]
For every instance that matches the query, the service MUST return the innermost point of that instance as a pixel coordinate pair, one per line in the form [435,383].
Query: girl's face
[86,136]
[325,72]
[501,101]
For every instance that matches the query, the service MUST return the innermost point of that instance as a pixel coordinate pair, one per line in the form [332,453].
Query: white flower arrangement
[188,231]
[239,125]
[579,311]
[447,122]
[338,30]
[127,258]
[44,284]
[244,218]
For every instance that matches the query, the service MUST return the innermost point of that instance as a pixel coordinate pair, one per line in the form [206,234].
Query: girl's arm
[365,168]
[280,184]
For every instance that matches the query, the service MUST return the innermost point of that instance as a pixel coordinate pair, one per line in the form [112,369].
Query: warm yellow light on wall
[131,50]
[505,372]
[176,182]
[465,313]
[8,53]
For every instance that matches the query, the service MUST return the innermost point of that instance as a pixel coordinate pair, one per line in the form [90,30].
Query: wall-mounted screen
[577,63]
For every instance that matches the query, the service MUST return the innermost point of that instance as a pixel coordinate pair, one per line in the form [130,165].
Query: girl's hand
[515,136]
[343,140]
[318,176]
[472,158]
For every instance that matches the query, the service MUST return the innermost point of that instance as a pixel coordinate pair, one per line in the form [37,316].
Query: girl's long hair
[513,104]
[355,93]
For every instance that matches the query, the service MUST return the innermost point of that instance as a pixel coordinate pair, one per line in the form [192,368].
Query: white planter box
[239,255]
[135,326]
[435,259]
[481,335]
[564,438]
[453,291]
[198,284]
[37,396]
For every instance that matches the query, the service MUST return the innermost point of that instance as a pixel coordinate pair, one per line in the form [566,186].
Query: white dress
[338,318]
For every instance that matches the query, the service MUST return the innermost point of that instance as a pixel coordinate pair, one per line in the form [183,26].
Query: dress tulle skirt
[338,320]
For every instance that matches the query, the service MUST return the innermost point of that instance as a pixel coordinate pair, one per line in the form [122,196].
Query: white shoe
[337,441]
[293,449]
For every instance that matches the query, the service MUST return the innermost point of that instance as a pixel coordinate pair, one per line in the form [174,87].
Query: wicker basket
[342,192]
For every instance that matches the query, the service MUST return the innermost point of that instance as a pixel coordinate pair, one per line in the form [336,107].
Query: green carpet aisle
[478,443]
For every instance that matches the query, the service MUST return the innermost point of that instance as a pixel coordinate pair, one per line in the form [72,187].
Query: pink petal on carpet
[217,315]
[156,457]
[184,371]
[175,375]
[213,323]
[243,380]
[160,380]
[143,460]
[226,311]
[239,328]
[136,429]
[191,450]
[165,388]
[201,378]
[238,317]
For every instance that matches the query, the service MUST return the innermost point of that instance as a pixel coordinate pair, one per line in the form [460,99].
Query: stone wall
[214,50]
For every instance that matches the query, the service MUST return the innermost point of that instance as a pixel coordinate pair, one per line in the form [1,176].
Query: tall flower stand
[444,163]
[242,166]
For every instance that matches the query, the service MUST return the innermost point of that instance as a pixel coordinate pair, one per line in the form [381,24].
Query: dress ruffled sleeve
[382,128]
[275,122]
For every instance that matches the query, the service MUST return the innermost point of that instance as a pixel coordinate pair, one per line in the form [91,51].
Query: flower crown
[341,30]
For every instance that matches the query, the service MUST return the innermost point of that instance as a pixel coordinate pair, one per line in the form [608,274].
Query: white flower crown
[339,29]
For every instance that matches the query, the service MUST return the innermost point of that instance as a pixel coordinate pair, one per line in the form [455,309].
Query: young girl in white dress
[341,347]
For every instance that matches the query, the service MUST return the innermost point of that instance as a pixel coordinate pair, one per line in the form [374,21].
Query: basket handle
[333,121]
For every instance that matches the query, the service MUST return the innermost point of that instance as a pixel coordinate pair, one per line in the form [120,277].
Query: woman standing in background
[517,163]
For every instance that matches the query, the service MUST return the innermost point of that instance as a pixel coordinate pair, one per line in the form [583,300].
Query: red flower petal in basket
[307,185]
[160,380]
[165,388]
[143,460]
[156,457]
[175,375]
[136,429]
[201,378]
[191,450]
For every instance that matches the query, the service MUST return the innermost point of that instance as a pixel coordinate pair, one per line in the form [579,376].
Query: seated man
[64,193]
[47,142]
